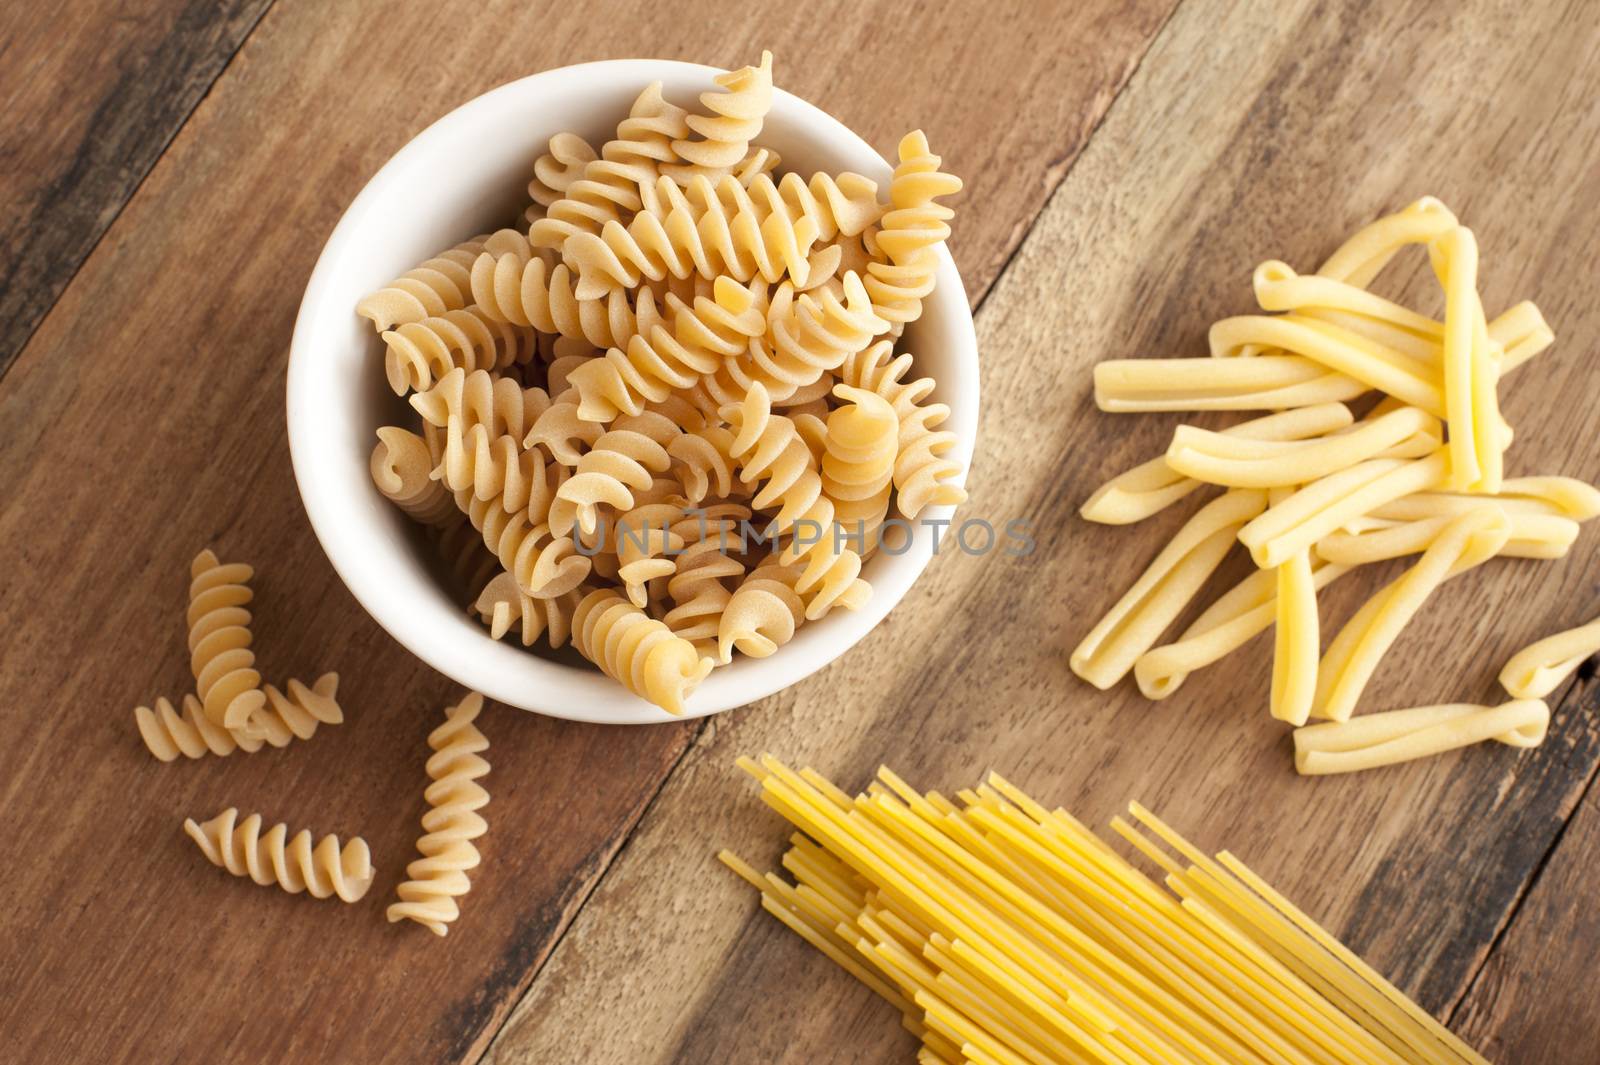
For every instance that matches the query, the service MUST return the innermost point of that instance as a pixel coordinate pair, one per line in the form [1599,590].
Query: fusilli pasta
[636,650]
[735,119]
[296,865]
[441,284]
[225,677]
[436,880]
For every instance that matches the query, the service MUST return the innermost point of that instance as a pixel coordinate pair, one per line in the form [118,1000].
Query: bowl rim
[576,696]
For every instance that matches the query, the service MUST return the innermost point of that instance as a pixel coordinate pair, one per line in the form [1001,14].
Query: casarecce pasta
[1538,669]
[1376,740]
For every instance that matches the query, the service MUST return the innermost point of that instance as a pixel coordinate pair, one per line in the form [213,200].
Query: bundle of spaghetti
[1006,932]
[1421,472]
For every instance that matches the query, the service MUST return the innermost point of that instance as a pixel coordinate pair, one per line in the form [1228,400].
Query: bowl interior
[467,174]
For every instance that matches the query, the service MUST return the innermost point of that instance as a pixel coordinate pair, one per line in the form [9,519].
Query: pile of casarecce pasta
[1313,491]
[681,345]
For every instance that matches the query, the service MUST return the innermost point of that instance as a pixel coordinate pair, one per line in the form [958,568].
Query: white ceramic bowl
[467,174]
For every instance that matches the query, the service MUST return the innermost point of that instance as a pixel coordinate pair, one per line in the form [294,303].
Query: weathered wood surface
[93,93]
[144,420]
[1250,131]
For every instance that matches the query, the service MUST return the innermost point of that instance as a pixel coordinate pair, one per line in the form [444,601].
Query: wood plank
[1534,999]
[1250,131]
[94,94]
[156,382]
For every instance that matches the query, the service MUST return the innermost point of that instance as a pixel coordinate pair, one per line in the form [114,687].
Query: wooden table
[170,173]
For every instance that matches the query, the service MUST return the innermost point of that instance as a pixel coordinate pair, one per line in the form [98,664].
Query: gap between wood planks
[1058,177]
[1573,700]
[12,347]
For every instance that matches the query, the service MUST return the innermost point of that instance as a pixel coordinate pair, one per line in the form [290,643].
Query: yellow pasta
[1376,740]
[624,460]
[502,605]
[294,714]
[1238,461]
[1538,669]
[1151,487]
[1468,541]
[1327,504]
[1133,626]
[1423,473]
[296,865]
[1267,382]
[924,475]
[436,880]
[763,612]
[1299,641]
[909,233]
[861,444]
[1336,349]
[1240,614]
[1006,932]
[1378,540]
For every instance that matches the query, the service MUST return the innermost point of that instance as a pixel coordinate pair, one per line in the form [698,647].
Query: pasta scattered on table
[1421,471]
[324,868]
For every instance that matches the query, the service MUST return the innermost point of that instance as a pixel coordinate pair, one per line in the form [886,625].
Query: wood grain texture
[1249,132]
[1534,998]
[145,419]
[94,92]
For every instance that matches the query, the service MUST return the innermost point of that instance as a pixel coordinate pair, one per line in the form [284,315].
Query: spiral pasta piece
[419,353]
[621,182]
[1395,736]
[401,466]
[1538,669]
[623,460]
[225,677]
[861,443]
[734,119]
[697,585]
[767,229]
[443,283]
[1132,626]
[436,880]
[647,547]
[1468,541]
[811,337]
[485,419]
[636,650]
[544,565]
[512,282]
[770,449]
[502,605]
[295,715]
[662,359]
[555,171]
[763,612]
[923,476]
[559,430]
[1151,487]
[910,232]
[242,849]
[703,459]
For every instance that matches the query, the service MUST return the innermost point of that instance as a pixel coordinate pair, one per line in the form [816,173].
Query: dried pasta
[225,677]
[296,865]
[1007,932]
[1538,669]
[663,416]
[1422,473]
[287,715]
[438,879]
[1395,736]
